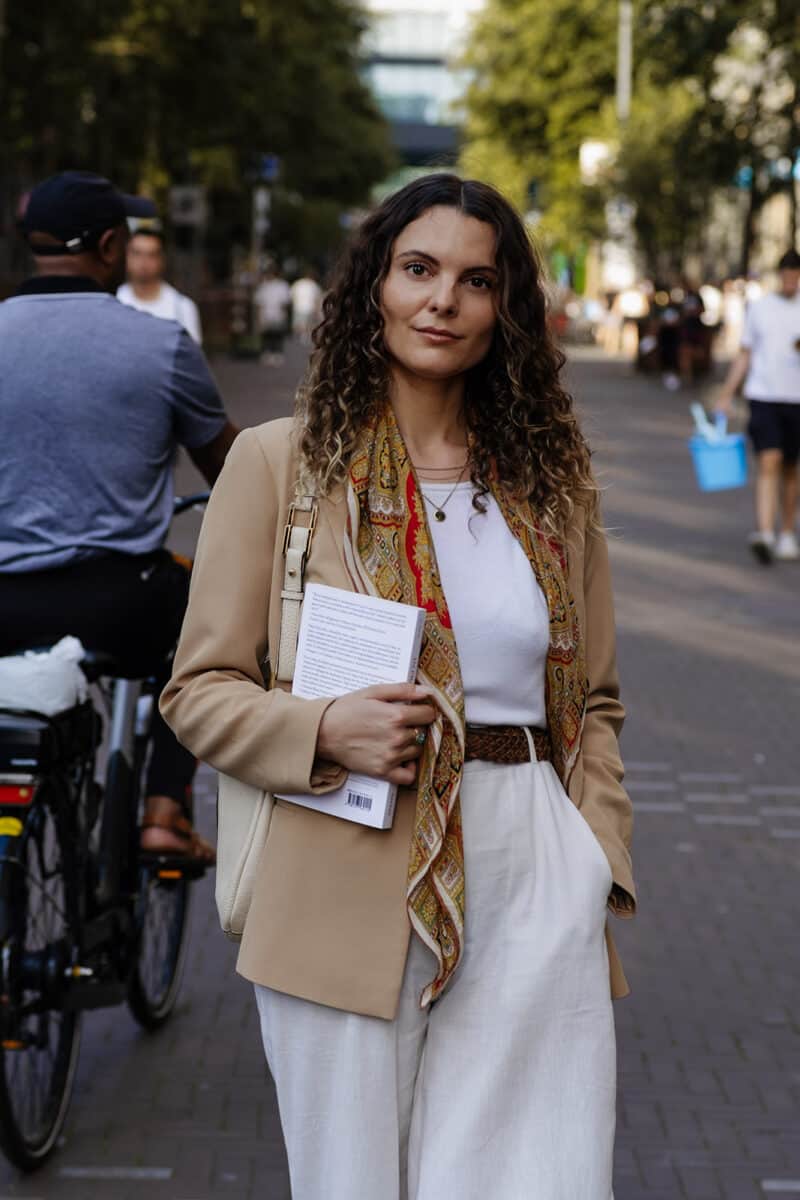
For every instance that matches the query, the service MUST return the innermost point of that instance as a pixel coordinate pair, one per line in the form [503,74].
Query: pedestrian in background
[273,298]
[306,306]
[435,999]
[146,288]
[669,342]
[768,364]
[694,337]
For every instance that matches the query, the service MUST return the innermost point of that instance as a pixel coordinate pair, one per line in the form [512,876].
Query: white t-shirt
[306,297]
[772,335]
[273,298]
[499,614]
[170,304]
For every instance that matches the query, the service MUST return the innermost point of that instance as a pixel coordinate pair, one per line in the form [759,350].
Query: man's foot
[763,547]
[786,547]
[166,830]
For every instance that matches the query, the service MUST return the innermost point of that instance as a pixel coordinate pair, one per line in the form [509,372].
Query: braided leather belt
[506,744]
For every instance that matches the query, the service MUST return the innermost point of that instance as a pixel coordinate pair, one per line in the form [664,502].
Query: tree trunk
[748,232]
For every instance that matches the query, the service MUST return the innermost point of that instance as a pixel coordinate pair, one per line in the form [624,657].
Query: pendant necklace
[438,509]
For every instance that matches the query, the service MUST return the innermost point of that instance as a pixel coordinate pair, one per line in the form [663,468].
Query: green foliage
[154,92]
[542,70]
[715,89]
[741,61]
[671,202]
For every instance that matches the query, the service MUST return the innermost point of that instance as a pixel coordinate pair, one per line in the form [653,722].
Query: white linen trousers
[505,1089]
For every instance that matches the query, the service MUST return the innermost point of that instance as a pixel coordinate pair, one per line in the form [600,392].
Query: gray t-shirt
[95,397]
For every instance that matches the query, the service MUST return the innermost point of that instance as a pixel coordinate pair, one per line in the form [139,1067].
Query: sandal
[193,846]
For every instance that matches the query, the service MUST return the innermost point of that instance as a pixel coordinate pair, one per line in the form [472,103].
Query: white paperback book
[350,641]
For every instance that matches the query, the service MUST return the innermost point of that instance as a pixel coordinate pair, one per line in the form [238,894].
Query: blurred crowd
[672,331]
[265,307]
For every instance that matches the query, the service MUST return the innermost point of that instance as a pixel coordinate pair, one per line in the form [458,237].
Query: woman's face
[439,299]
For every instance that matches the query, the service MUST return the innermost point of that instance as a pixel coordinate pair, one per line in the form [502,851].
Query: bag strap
[297,539]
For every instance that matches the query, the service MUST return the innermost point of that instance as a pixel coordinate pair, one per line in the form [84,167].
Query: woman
[435,1000]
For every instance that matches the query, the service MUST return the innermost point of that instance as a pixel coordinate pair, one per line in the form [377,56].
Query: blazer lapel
[333,523]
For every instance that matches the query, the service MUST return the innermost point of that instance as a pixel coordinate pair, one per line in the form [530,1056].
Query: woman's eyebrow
[419,254]
[430,258]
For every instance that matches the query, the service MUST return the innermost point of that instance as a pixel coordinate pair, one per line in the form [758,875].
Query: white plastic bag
[48,682]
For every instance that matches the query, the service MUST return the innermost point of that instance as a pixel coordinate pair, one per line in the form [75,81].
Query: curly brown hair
[520,418]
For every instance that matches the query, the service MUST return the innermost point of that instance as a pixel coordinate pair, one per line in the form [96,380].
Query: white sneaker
[763,546]
[786,547]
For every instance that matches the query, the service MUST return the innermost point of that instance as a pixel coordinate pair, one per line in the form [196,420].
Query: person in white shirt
[768,364]
[306,306]
[273,299]
[147,289]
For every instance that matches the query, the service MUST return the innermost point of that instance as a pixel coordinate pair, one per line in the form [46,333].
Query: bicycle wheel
[153,990]
[40,1040]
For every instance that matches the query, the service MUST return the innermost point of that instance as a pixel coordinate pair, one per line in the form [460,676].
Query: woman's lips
[438,336]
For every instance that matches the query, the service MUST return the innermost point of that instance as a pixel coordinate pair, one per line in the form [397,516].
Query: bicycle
[87,920]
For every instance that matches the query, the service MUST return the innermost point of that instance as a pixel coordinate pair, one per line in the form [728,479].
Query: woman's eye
[416,269]
[480,281]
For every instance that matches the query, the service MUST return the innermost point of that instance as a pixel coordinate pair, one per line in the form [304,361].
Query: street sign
[188,205]
[269,168]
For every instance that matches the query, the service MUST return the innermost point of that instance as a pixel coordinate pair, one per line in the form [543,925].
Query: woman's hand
[373,731]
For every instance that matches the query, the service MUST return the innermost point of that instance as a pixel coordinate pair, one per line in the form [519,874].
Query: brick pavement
[709,1063]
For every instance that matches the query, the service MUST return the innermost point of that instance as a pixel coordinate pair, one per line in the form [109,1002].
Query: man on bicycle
[95,398]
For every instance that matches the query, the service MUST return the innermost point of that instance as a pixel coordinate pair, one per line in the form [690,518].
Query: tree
[153,92]
[541,72]
[715,98]
[741,60]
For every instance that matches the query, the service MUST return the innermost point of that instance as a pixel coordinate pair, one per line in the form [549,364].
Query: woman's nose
[443,298]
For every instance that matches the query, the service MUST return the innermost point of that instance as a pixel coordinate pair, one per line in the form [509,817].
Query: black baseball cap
[790,261]
[77,207]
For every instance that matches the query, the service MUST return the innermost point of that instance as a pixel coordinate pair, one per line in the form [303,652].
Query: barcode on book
[359,800]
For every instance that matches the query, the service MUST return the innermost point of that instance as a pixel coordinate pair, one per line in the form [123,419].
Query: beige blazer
[328,919]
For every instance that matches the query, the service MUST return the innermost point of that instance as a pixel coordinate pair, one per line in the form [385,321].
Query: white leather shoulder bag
[244,812]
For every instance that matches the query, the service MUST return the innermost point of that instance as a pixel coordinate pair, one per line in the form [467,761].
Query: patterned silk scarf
[389,553]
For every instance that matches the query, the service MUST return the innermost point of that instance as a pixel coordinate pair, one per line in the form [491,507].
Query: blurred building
[412,51]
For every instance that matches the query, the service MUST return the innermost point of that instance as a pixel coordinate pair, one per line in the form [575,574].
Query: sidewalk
[708,1040]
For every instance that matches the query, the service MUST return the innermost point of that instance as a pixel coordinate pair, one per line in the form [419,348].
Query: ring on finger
[419,736]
